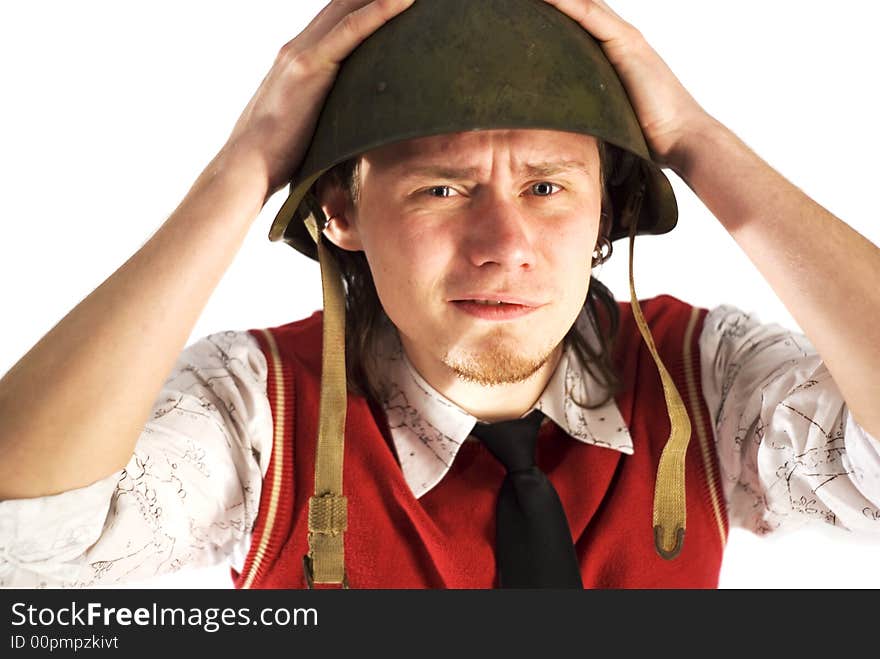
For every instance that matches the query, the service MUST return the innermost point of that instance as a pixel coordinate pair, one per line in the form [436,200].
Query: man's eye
[545,189]
[441,191]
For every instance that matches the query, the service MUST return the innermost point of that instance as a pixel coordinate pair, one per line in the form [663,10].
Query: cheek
[407,267]
[572,252]
[574,244]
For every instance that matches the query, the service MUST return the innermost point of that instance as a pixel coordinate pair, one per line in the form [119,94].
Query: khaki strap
[670,514]
[328,509]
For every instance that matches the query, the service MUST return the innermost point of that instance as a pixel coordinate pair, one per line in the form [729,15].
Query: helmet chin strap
[328,509]
[670,512]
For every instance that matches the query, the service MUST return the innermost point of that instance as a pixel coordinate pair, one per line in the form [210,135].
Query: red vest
[445,539]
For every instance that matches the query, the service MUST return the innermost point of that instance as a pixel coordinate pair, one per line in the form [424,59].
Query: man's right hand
[279,120]
[73,408]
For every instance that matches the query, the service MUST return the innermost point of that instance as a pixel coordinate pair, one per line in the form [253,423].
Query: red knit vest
[445,539]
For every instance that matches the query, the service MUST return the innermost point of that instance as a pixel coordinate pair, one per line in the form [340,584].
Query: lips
[496,298]
[494,306]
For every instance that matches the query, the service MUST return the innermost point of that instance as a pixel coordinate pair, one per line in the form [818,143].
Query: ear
[336,202]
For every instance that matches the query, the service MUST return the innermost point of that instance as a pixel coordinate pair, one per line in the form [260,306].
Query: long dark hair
[366,319]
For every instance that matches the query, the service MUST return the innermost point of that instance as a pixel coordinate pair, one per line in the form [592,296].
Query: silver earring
[602,252]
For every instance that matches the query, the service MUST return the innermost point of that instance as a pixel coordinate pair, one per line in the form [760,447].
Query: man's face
[453,222]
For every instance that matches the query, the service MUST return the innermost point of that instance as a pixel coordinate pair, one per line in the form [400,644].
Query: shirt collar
[428,429]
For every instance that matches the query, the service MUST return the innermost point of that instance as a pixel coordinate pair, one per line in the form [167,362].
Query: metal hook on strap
[308,569]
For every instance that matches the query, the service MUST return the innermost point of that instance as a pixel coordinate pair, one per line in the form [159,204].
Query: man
[340,231]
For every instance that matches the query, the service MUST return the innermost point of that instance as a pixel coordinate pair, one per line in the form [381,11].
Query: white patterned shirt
[789,452]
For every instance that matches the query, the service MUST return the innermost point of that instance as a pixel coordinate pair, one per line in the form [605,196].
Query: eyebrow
[534,170]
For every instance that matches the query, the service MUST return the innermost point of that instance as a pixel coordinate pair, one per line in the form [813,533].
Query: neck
[497,402]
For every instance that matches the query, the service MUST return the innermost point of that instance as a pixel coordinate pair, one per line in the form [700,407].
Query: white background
[110,111]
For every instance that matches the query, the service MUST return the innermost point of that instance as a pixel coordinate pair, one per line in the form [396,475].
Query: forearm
[826,274]
[73,407]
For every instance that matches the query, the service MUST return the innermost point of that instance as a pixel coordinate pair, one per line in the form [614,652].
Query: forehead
[473,147]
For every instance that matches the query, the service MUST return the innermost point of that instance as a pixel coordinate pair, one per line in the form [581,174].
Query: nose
[500,233]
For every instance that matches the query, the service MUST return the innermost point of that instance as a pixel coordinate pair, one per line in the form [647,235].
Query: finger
[324,21]
[356,26]
[607,8]
[332,13]
[595,17]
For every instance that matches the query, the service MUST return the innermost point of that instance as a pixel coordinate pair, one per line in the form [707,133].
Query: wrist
[700,135]
[245,166]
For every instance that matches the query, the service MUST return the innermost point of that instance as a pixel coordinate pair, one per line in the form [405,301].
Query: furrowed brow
[553,168]
[532,170]
[441,172]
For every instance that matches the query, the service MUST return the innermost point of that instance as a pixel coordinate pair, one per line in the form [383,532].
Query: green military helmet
[445,66]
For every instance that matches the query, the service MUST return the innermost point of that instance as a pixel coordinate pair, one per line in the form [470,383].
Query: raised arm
[786,234]
[73,407]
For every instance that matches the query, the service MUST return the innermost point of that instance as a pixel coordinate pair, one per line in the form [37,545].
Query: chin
[496,362]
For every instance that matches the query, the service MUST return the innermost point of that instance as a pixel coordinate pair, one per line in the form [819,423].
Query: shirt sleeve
[188,496]
[789,450]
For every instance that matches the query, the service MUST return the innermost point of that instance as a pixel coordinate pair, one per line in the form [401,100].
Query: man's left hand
[665,109]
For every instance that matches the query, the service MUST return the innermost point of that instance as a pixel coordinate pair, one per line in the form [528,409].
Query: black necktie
[533,546]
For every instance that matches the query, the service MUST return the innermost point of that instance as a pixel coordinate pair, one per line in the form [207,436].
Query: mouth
[496,307]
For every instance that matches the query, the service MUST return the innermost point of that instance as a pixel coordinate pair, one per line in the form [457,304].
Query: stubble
[499,361]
